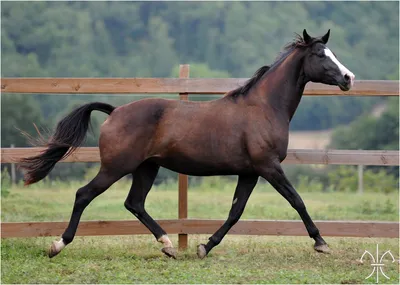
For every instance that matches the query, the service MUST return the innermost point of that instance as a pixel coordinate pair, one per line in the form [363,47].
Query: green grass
[213,199]
[238,259]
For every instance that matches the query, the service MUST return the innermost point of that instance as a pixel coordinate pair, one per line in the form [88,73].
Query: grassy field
[212,199]
[238,259]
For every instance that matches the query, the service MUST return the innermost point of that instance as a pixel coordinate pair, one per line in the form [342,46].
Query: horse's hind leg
[84,196]
[143,179]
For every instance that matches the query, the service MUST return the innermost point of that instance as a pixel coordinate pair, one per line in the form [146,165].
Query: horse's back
[201,138]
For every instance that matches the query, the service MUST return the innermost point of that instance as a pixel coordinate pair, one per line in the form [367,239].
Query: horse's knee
[134,208]
[82,197]
[128,206]
[80,193]
[87,193]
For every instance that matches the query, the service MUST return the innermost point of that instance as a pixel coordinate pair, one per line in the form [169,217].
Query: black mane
[288,48]
[242,90]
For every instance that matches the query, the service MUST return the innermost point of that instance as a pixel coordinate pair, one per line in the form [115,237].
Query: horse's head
[321,64]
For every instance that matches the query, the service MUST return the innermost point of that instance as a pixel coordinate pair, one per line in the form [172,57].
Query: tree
[201,70]
[160,56]
[368,132]
[18,113]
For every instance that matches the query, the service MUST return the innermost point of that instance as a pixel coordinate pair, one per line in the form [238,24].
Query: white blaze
[341,67]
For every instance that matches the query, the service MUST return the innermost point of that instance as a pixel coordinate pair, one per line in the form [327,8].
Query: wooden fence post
[13,175]
[360,179]
[183,179]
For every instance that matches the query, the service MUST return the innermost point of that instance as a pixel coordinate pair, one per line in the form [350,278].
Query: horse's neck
[284,85]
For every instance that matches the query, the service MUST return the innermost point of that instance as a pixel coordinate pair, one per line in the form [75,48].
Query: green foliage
[302,174]
[5,183]
[370,132]
[345,179]
[18,112]
[321,113]
[380,182]
[309,184]
[201,70]
[341,179]
[378,207]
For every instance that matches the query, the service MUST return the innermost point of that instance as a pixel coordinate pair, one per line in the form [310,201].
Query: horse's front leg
[244,188]
[274,174]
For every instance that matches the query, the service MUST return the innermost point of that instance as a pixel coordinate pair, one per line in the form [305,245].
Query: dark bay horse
[244,133]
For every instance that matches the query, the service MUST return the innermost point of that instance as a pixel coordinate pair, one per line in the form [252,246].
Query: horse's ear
[306,37]
[325,38]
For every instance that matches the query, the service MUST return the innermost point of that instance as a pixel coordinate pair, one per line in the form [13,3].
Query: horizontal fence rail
[294,156]
[196,226]
[177,85]
[184,226]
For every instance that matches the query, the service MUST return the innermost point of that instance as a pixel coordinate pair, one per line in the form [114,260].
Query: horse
[243,133]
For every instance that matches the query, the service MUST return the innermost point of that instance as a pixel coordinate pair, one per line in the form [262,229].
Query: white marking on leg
[341,67]
[165,241]
[59,245]
[234,201]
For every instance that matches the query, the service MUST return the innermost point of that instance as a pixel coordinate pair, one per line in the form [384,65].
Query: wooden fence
[184,226]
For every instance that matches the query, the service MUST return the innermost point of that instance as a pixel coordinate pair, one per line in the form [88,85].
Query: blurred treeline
[218,39]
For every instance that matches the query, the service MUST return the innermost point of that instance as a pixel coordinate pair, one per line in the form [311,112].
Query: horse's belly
[205,166]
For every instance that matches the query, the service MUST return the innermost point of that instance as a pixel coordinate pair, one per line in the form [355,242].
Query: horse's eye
[319,52]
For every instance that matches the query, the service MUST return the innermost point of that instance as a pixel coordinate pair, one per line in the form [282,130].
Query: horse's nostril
[347,78]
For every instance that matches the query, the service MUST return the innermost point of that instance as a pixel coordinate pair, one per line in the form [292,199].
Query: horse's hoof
[322,248]
[170,252]
[201,251]
[53,250]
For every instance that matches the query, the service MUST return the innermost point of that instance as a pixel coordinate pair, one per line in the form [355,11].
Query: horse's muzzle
[347,82]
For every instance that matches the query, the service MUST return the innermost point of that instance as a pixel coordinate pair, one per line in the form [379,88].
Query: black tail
[69,135]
